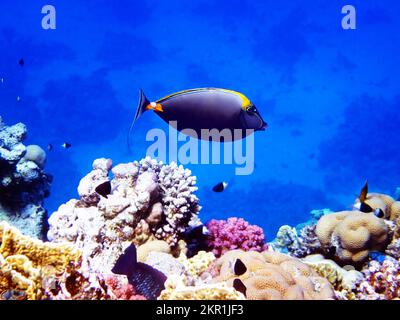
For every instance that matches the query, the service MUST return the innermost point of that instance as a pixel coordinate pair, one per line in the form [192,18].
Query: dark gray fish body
[194,110]
[146,280]
[207,108]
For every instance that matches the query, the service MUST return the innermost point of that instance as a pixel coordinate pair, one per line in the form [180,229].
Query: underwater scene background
[330,96]
[84,214]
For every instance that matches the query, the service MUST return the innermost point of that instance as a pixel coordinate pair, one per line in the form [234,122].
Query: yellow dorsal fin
[245,101]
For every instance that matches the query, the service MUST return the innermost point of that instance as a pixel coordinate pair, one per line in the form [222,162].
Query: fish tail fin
[127,262]
[143,103]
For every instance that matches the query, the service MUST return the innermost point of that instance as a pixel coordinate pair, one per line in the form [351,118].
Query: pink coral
[234,233]
[381,281]
[121,289]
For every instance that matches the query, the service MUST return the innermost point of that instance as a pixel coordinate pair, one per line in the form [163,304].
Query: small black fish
[364,192]
[239,267]
[379,213]
[146,280]
[196,240]
[220,186]
[104,189]
[239,286]
[364,207]
[21,62]
[49,147]
[66,145]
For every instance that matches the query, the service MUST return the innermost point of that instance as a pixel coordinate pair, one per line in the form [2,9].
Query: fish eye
[251,109]
[379,213]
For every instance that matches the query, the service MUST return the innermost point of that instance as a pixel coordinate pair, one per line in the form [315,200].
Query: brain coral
[25,263]
[234,233]
[350,235]
[274,276]
[148,201]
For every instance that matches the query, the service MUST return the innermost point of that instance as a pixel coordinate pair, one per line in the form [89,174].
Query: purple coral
[234,233]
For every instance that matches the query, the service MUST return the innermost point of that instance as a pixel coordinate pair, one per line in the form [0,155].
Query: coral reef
[197,266]
[234,233]
[274,276]
[343,281]
[297,243]
[121,289]
[23,183]
[176,289]
[26,263]
[381,281]
[148,201]
[349,236]
[77,283]
[393,249]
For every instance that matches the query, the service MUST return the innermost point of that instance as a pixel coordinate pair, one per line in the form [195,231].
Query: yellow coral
[199,263]
[274,276]
[26,262]
[353,234]
[175,289]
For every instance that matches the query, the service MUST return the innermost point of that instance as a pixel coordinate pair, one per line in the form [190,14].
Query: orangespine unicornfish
[206,108]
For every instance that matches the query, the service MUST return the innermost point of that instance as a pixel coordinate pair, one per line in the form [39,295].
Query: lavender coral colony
[134,233]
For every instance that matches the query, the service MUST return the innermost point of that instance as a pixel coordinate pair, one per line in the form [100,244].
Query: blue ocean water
[330,96]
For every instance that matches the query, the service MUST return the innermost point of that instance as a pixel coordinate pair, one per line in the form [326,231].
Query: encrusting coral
[349,236]
[147,201]
[23,183]
[234,233]
[274,276]
[26,263]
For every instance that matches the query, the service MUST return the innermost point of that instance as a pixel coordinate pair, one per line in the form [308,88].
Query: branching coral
[274,276]
[234,233]
[23,183]
[148,201]
[26,263]
[349,236]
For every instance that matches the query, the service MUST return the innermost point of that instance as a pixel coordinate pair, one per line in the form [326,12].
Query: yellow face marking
[245,101]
